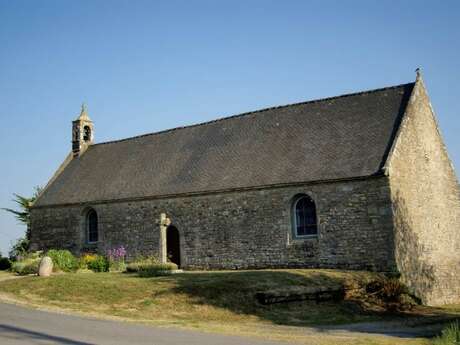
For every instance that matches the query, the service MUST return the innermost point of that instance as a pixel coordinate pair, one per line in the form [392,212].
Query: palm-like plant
[24,203]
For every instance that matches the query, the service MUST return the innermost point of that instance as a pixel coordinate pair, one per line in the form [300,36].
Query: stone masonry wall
[244,229]
[426,202]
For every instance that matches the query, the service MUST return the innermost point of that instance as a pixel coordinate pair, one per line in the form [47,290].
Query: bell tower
[82,132]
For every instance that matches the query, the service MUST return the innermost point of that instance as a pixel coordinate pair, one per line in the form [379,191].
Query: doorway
[173,245]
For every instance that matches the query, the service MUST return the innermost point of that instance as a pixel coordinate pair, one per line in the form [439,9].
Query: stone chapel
[358,181]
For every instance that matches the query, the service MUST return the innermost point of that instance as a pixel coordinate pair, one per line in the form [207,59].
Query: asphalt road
[23,326]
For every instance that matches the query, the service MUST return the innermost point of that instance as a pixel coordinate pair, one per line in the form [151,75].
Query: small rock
[46,267]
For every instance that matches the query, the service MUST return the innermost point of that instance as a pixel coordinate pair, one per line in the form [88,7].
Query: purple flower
[116,254]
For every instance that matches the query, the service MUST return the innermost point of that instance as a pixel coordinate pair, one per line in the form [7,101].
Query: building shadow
[236,291]
[414,255]
[34,337]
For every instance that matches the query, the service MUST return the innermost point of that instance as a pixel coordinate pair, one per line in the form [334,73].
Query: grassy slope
[213,301]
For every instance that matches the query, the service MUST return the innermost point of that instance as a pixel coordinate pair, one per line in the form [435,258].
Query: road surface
[24,326]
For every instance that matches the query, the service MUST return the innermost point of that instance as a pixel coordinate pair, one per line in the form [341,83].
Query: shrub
[392,289]
[26,266]
[85,260]
[117,266]
[34,255]
[63,260]
[134,265]
[153,270]
[94,262]
[449,336]
[5,264]
[98,264]
[389,290]
[19,249]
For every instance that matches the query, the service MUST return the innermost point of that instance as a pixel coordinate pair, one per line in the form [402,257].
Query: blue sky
[144,66]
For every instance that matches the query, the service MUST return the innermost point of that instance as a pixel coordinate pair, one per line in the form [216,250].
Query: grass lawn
[4,274]
[219,301]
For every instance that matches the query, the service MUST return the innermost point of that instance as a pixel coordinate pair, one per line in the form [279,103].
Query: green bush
[63,260]
[19,249]
[34,255]
[26,266]
[117,266]
[5,264]
[86,259]
[133,266]
[153,270]
[98,264]
[449,336]
[94,262]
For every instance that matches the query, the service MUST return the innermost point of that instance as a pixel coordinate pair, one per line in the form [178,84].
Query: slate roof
[334,138]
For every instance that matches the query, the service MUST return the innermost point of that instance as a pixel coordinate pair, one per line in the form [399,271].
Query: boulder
[46,267]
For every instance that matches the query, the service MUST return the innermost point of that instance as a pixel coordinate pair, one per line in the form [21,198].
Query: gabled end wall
[426,205]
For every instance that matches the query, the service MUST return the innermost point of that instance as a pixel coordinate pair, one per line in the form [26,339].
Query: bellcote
[82,132]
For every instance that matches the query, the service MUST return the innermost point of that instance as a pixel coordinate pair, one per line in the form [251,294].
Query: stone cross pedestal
[164,223]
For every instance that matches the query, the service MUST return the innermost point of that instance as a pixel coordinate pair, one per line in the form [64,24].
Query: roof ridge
[255,112]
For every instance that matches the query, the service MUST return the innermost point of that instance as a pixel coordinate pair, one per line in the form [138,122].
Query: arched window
[86,133]
[305,222]
[92,227]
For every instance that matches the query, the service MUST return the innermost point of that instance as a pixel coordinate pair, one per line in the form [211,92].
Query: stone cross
[164,223]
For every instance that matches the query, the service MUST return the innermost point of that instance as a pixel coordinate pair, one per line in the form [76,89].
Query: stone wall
[426,202]
[240,229]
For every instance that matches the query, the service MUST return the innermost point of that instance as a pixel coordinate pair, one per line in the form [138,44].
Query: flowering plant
[116,257]
[86,259]
[116,253]
[94,262]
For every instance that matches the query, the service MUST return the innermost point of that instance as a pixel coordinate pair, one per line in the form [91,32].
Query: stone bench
[301,293]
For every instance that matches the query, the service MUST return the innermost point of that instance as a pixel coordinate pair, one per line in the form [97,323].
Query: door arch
[173,245]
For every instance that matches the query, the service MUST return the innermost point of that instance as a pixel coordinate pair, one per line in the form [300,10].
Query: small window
[305,222]
[92,227]
[86,133]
